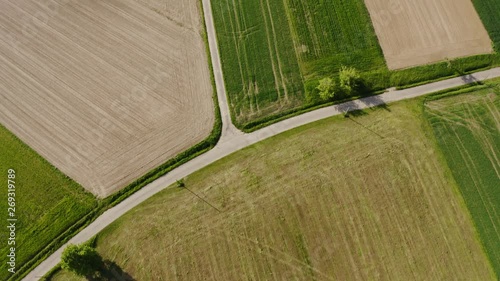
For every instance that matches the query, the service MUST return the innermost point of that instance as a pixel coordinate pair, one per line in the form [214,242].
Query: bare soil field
[420,32]
[104,90]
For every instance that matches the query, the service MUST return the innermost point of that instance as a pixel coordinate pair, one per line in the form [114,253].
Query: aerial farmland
[467,128]
[269,48]
[275,52]
[314,203]
[250,140]
[105,90]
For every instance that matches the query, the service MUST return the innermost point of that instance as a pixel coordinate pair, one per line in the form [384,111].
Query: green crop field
[489,11]
[361,198]
[47,202]
[329,34]
[274,52]
[269,48]
[467,128]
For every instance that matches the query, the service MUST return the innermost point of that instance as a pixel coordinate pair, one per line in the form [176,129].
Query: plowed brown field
[104,90]
[419,32]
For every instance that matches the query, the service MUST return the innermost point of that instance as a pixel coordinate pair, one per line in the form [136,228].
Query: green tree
[349,78]
[180,183]
[82,259]
[326,88]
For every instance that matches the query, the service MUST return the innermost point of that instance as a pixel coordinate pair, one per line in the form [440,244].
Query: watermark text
[11,220]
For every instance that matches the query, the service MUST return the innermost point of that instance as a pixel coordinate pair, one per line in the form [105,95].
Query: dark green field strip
[489,11]
[259,62]
[331,27]
[334,33]
[469,137]
[47,202]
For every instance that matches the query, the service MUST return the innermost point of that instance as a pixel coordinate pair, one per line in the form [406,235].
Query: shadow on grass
[110,271]
[366,128]
[357,108]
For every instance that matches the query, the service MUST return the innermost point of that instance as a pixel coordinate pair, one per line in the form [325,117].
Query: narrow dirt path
[228,129]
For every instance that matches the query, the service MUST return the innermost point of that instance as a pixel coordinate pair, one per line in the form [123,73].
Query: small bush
[349,79]
[326,88]
[180,183]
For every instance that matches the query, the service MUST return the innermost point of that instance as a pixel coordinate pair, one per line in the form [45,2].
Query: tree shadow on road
[468,78]
[375,102]
[350,108]
[353,108]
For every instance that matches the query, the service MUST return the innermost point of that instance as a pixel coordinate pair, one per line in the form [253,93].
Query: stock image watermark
[11,220]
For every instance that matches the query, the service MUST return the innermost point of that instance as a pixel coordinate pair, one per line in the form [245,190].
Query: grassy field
[48,202]
[269,48]
[467,128]
[489,11]
[376,202]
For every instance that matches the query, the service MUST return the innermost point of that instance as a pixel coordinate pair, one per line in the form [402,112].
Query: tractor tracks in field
[233,139]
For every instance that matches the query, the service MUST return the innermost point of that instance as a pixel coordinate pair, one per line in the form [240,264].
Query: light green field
[367,198]
[467,128]
[47,202]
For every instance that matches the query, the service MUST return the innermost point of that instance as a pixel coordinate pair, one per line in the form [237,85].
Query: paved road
[233,140]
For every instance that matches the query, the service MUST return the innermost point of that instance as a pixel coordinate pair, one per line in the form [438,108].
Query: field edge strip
[465,89]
